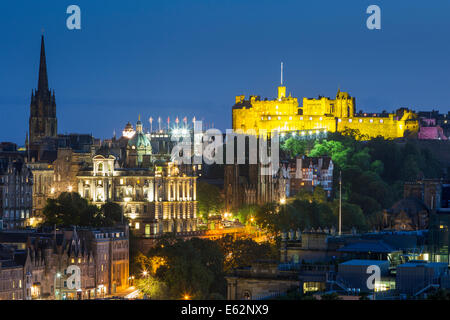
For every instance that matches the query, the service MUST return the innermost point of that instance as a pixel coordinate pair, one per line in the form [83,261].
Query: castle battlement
[325,114]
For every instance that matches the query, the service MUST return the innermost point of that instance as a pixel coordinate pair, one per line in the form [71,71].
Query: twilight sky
[190,58]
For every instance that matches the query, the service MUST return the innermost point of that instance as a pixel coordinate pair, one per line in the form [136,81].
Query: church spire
[43,79]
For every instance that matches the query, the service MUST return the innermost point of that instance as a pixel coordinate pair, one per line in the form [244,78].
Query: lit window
[381,120]
[371,120]
[350,120]
[310,118]
[269,118]
[360,120]
[301,118]
[136,226]
[339,120]
[279,118]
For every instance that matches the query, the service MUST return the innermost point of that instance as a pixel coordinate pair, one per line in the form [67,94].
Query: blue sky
[190,58]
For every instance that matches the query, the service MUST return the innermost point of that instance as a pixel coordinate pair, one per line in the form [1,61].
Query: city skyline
[103,71]
[229,153]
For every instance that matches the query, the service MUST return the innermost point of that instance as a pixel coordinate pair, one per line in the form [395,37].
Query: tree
[209,200]
[70,209]
[294,146]
[334,149]
[193,267]
[151,287]
[245,213]
[244,252]
[112,214]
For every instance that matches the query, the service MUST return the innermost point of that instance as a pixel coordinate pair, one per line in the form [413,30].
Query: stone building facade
[310,172]
[42,187]
[16,183]
[11,276]
[245,185]
[157,200]
[102,255]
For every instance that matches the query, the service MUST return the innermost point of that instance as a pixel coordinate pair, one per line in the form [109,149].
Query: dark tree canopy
[70,209]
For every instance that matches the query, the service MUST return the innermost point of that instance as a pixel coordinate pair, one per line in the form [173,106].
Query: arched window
[100,167]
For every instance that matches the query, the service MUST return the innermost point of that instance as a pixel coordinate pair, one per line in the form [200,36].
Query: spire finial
[43,80]
[139,117]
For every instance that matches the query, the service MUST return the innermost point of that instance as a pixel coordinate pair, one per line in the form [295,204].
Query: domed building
[128,132]
[139,149]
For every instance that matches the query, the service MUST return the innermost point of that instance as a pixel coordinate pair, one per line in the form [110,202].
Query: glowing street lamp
[283,200]
[186,297]
[145,273]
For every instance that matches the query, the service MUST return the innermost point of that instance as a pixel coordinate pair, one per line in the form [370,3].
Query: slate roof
[368,246]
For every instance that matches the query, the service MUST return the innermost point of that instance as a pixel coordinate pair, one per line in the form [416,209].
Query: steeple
[43,122]
[43,79]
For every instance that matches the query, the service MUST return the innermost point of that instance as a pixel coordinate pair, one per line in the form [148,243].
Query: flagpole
[340,202]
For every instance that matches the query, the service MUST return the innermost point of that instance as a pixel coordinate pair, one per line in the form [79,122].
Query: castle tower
[43,122]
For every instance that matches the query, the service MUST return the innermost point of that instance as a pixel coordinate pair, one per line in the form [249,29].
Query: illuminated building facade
[42,188]
[157,195]
[318,115]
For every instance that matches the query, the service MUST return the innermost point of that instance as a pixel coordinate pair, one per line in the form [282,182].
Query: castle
[318,116]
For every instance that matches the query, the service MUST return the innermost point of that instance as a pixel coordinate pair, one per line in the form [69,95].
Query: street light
[186,297]
[58,275]
[145,273]
[283,200]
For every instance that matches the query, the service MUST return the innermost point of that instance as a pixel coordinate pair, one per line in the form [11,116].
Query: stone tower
[43,122]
